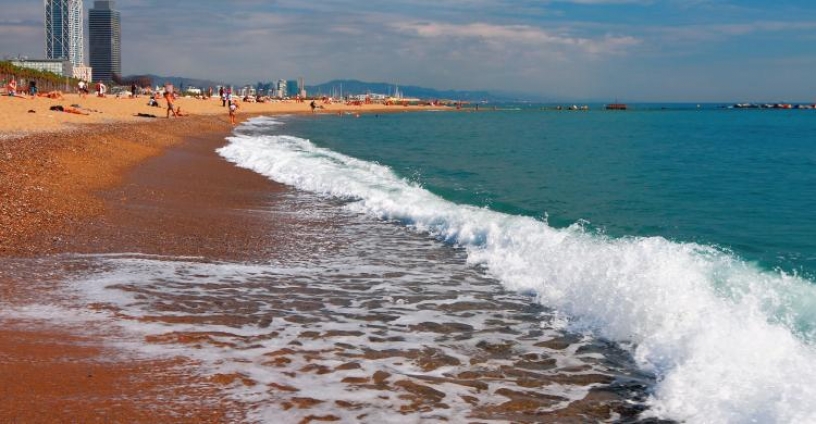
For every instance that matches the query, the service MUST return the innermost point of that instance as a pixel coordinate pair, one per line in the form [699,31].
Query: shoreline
[86,190]
[112,185]
[170,195]
[51,162]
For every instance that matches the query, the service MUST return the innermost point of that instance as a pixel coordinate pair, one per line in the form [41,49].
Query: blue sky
[633,50]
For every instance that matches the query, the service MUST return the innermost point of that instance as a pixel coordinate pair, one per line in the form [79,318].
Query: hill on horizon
[179,82]
[346,87]
[361,87]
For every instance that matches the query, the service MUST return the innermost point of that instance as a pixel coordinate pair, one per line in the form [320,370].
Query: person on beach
[83,89]
[170,109]
[233,107]
[101,89]
[75,111]
[168,97]
[12,87]
[312,105]
[133,92]
[221,95]
[32,88]
[56,95]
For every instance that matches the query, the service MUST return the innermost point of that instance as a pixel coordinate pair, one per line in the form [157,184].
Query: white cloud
[504,36]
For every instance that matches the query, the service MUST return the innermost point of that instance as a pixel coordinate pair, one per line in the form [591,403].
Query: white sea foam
[728,342]
[140,288]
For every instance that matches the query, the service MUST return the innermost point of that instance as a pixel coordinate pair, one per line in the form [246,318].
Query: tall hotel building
[104,40]
[64,31]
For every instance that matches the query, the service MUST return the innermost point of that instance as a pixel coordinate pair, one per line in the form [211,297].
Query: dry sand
[15,118]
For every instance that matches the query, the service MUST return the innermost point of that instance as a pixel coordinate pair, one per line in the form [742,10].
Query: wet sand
[113,188]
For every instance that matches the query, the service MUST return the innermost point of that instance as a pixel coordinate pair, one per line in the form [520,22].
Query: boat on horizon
[616,106]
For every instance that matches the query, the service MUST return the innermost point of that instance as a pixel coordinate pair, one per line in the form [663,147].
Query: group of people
[227,100]
[84,90]
[13,90]
[170,98]
[169,95]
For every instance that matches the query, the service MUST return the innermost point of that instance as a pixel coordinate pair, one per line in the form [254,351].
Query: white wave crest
[727,341]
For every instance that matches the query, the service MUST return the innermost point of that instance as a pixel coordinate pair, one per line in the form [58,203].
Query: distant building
[64,31]
[292,90]
[104,40]
[82,72]
[57,66]
[247,91]
[280,89]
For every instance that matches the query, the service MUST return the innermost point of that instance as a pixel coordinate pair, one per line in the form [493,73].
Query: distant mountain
[360,87]
[347,87]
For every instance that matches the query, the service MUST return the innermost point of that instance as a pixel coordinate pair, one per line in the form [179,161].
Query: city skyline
[634,50]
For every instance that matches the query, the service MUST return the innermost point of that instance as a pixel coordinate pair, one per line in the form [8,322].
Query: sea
[514,263]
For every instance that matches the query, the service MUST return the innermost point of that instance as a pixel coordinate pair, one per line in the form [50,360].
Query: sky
[601,50]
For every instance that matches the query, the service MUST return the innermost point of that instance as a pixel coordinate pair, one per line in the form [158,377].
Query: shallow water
[392,326]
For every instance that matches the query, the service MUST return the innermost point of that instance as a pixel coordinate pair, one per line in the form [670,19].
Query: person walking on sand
[233,107]
[168,96]
[312,105]
[83,89]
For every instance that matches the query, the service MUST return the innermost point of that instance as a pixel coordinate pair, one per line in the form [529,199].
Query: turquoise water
[680,234]
[741,180]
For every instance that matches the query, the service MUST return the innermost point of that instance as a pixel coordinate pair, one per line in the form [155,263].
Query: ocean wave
[728,341]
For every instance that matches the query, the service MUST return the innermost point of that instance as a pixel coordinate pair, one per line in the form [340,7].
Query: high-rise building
[104,41]
[301,87]
[292,89]
[64,31]
[280,90]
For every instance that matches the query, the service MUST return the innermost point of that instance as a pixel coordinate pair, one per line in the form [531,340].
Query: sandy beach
[52,161]
[82,183]
[138,189]
[21,116]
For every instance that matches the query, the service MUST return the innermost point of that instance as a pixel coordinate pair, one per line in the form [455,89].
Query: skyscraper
[104,39]
[64,31]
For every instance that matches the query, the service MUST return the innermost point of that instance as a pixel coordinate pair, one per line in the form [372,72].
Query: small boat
[616,106]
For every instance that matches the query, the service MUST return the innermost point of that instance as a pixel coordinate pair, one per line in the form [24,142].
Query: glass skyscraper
[104,41]
[64,31]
